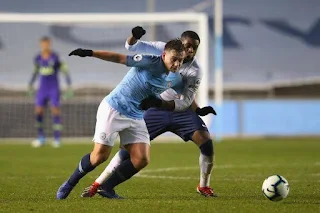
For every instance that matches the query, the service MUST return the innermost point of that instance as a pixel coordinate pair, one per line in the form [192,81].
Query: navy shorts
[183,124]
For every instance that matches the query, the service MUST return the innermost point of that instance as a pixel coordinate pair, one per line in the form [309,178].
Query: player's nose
[190,50]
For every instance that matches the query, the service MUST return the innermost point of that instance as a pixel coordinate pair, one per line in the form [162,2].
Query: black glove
[138,32]
[81,52]
[205,111]
[149,102]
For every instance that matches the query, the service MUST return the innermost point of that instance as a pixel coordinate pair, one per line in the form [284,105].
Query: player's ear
[163,54]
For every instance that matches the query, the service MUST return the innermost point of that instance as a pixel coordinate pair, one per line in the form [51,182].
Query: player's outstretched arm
[137,33]
[149,47]
[103,55]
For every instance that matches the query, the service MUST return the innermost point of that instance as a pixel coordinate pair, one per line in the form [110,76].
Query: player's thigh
[137,132]
[185,124]
[41,100]
[139,154]
[100,153]
[136,140]
[157,121]
[55,98]
[138,149]
[109,123]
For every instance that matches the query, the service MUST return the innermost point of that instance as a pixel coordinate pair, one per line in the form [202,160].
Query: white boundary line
[146,173]
[243,177]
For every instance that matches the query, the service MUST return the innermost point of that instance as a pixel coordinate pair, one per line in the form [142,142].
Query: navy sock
[39,119]
[122,173]
[207,148]
[124,154]
[83,168]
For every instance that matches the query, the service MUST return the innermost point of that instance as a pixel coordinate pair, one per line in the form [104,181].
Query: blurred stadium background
[271,87]
[271,63]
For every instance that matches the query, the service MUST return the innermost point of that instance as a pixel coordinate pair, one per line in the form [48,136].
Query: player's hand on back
[138,32]
[149,102]
[81,52]
[205,111]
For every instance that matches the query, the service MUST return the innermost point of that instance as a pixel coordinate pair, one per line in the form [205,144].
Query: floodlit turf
[30,178]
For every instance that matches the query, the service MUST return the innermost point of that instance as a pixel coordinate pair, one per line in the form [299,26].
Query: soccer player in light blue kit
[182,119]
[120,113]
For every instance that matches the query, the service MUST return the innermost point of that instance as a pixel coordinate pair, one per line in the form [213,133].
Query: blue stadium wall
[269,117]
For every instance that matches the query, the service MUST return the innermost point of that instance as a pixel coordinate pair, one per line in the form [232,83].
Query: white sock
[114,163]
[206,165]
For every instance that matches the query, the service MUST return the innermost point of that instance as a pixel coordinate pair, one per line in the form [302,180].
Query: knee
[39,111]
[206,148]
[55,111]
[200,137]
[140,162]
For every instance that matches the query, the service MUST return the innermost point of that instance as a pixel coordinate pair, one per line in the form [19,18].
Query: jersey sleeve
[36,65]
[191,85]
[169,95]
[147,47]
[142,61]
[35,71]
[58,63]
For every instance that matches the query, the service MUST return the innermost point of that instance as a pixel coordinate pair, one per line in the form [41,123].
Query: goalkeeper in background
[47,65]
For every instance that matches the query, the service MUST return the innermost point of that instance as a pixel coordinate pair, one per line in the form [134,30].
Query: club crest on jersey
[103,135]
[169,84]
[137,58]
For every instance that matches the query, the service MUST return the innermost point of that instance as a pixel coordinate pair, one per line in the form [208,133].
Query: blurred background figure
[47,66]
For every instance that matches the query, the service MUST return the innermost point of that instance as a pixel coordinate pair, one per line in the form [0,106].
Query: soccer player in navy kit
[47,66]
[119,113]
[182,121]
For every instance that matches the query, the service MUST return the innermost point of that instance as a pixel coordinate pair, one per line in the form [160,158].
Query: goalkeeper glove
[68,94]
[205,111]
[138,32]
[30,91]
[81,52]
[149,102]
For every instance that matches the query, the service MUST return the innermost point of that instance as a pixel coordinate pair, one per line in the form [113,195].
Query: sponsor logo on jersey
[137,58]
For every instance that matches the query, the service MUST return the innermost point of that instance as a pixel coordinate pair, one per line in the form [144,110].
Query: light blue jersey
[156,48]
[146,77]
[184,87]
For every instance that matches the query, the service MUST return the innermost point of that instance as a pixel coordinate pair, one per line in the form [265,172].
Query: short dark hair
[45,38]
[190,34]
[174,44]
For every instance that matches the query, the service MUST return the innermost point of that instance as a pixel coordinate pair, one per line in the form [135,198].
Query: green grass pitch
[30,178]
